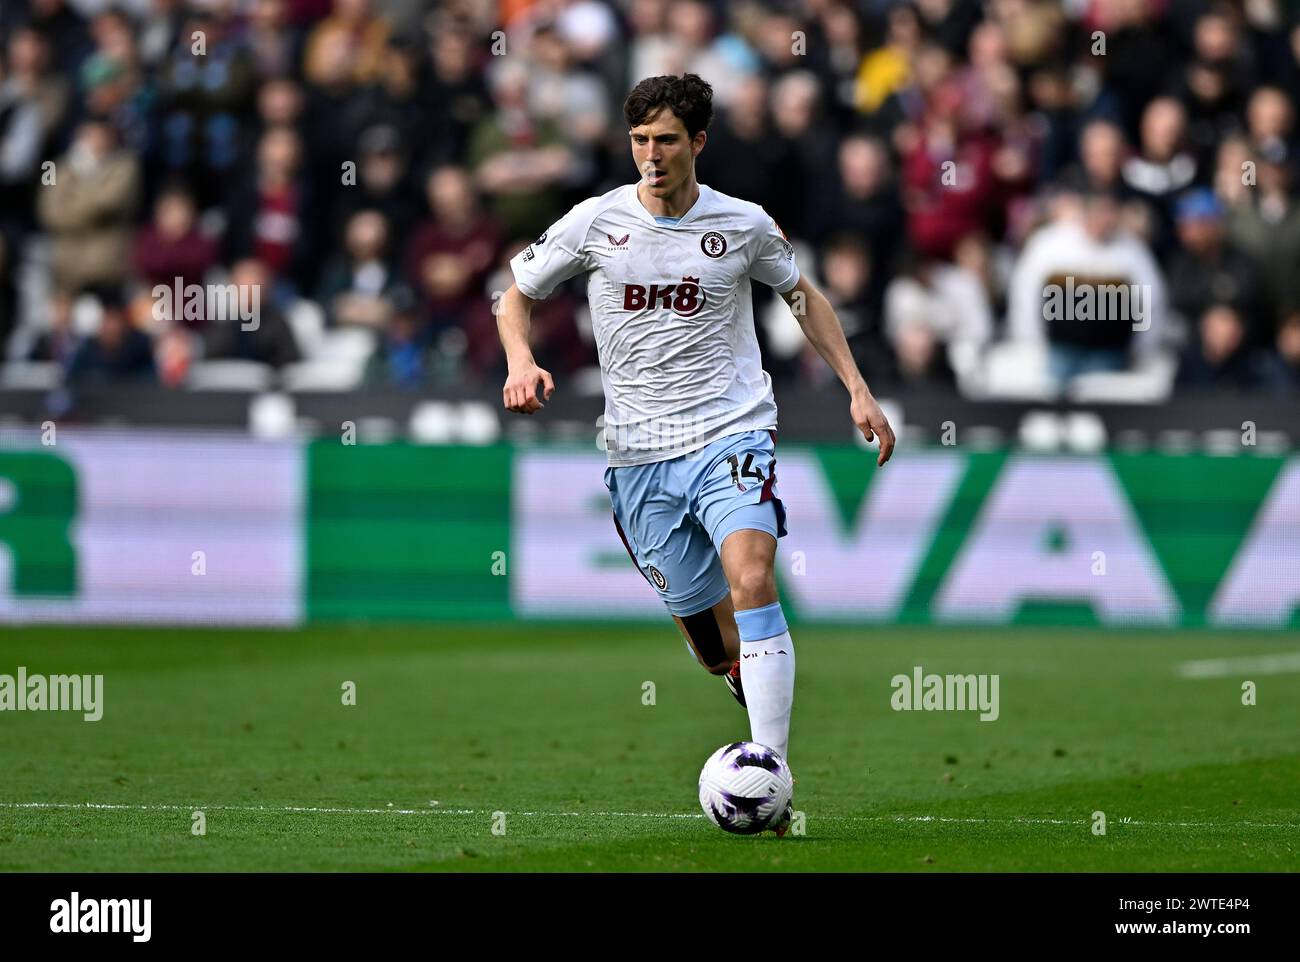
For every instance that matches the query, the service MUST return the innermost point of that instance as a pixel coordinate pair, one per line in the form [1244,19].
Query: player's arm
[548,261]
[826,334]
[514,317]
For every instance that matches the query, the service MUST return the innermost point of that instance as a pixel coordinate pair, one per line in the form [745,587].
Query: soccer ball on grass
[745,788]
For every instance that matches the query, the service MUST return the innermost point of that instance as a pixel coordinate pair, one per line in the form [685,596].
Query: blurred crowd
[372,165]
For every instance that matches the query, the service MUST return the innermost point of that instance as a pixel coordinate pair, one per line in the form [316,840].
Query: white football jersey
[672,315]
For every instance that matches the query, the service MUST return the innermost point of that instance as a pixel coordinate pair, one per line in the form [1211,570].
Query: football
[745,788]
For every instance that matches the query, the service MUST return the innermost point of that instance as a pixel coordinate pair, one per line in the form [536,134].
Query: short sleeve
[773,261]
[555,256]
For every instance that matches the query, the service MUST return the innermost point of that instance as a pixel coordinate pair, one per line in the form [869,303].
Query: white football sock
[767,674]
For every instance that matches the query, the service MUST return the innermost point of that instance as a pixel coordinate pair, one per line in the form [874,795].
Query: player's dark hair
[689,96]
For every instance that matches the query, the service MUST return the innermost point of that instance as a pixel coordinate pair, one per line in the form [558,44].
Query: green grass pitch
[547,724]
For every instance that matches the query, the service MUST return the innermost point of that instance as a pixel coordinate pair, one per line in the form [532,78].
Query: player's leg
[767,660]
[677,559]
[736,500]
[712,636]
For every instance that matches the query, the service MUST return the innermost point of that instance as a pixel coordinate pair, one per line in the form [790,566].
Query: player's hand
[520,392]
[871,421]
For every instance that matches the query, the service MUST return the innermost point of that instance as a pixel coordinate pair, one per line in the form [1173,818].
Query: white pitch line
[487,813]
[1251,665]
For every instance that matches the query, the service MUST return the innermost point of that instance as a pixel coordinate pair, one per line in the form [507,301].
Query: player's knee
[753,587]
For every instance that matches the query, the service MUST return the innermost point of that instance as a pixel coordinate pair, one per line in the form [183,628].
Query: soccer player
[690,420]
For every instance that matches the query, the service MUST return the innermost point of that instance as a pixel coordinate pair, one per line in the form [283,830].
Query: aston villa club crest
[713,244]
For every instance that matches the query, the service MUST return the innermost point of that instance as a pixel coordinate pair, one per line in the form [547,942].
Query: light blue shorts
[674,515]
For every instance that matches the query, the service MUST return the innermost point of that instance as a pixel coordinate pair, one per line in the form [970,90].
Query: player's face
[663,153]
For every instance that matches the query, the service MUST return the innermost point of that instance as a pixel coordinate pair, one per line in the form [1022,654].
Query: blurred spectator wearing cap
[1207,268]
[88,210]
[383,184]
[172,245]
[1090,254]
[356,282]
[117,352]
[1221,358]
[353,35]
[520,163]
[401,358]
[450,256]
[1265,224]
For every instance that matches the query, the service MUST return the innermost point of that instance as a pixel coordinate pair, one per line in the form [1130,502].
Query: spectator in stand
[455,94]
[364,40]
[206,99]
[950,184]
[449,258]
[853,290]
[811,146]
[271,42]
[1265,224]
[58,342]
[270,340]
[117,352]
[1102,150]
[358,283]
[553,332]
[1162,169]
[88,210]
[383,183]
[271,214]
[1221,358]
[21,145]
[862,200]
[520,163]
[1208,269]
[8,295]
[1060,292]
[744,159]
[401,359]
[1288,351]
[937,319]
[172,246]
